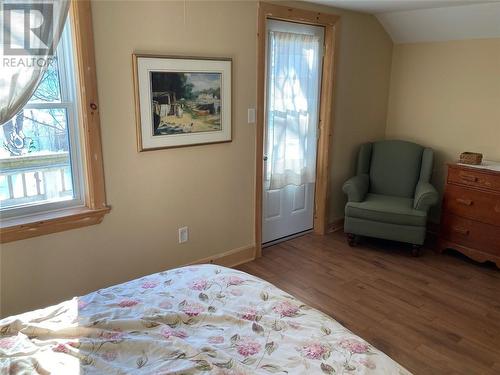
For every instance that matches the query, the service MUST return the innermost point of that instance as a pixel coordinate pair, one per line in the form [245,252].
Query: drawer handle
[466,202]
[460,230]
[468,177]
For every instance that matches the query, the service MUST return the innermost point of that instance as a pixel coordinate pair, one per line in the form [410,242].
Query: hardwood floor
[436,314]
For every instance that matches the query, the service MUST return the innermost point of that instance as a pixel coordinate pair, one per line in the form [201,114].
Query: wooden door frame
[331,23]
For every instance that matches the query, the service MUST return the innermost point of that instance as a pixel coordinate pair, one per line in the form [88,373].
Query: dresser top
[485,166]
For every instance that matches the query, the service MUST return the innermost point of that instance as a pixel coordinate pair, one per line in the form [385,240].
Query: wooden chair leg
[416,250]
[351,239]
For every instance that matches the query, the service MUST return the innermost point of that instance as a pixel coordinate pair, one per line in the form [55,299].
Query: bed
[190,320]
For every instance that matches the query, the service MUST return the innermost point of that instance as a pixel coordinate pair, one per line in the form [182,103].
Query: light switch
[251,115]
[183,234]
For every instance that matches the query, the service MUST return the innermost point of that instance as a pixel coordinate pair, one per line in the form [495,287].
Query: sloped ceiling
[412,21]
[384,6]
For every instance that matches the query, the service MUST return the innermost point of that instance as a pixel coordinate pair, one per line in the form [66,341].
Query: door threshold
[286,238]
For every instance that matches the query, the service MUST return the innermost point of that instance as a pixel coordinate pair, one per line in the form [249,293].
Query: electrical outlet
[183,234]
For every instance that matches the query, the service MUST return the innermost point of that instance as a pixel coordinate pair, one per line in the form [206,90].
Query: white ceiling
[477,21]
[385,6]
[412,21]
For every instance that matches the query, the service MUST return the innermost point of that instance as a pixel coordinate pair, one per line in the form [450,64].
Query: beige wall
[361,94]
[208,188]
[446,95]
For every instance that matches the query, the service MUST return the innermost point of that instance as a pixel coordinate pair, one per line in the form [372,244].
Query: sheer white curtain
[19,79]
[292,108]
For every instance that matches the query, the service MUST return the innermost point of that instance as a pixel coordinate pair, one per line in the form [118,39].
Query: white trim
[294,27]
[66,48]
[286,238]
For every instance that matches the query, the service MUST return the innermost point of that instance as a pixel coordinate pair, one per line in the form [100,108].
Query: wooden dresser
[471,213]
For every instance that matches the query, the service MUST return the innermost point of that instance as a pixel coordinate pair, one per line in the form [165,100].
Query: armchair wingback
[390,195]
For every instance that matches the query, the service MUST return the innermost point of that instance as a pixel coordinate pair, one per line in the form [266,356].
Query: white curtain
[292,108]
[19,79]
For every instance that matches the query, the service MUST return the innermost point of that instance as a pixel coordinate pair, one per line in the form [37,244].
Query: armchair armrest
[356,187]
[426,196]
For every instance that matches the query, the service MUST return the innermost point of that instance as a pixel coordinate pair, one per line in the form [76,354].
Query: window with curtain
[51,168]
[40,165]
[293,75]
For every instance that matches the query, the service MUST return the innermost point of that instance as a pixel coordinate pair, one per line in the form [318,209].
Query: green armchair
[390,195]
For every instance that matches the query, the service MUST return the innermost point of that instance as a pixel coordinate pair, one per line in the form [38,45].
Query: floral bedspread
[186,321]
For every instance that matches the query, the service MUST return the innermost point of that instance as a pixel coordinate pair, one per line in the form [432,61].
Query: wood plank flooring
[436,314]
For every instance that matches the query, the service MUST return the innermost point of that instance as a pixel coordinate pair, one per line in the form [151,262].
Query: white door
[293,76]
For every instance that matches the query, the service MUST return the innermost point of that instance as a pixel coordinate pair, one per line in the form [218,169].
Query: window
[40,163]
[51,170]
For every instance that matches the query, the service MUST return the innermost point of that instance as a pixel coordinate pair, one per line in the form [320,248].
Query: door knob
[265,157]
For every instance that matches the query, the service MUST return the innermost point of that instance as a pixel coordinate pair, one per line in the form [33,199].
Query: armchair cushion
[387,209]
[425,196]
[395,168]
[356,187]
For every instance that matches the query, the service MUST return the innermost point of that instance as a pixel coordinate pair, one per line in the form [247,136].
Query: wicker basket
[471,158]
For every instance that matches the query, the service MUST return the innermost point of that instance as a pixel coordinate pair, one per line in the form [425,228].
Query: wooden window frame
[331,24]
[95,206]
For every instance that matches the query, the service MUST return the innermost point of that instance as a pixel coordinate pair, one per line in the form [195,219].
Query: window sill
[50,222]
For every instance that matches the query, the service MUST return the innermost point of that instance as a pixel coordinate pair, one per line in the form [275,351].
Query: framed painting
[181,101]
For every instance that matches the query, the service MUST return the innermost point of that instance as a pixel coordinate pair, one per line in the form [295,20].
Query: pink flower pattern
[240,319]
[236,292]
[368,363]
[7,342]
[193,308]
[314,350]
[60,348]
[149,285]
[128,303]
[112,335]
[286,308]
[167,305]
[200,284]
[216,339]
[168,332]
[354,346]
[249,313]
[247,346]
[234,280]
[82,304]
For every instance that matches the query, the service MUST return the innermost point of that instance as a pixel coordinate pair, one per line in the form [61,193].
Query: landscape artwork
[182,101]
[185,102]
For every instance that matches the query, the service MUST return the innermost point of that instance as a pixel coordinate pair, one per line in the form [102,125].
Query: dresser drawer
[470,177]
[470,233]
[472,204]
